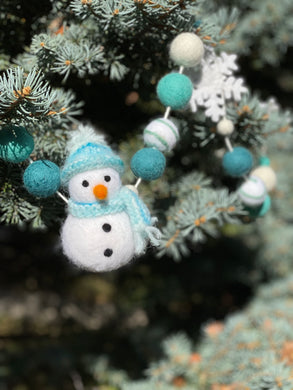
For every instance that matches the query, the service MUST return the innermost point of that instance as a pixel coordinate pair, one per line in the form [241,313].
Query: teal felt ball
[261,210]
[148,164]
[264,160]
[42,178]
[16,144]
[237,162]
[174,90]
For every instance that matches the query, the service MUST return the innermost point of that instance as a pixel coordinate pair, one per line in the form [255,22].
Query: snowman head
[94,185]
[92,170]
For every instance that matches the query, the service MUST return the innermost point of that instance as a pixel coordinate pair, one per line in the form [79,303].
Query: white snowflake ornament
[216,84]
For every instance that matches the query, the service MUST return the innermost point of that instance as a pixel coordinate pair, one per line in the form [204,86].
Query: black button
[106,227]
[107,178]
[108,252]
[85,183]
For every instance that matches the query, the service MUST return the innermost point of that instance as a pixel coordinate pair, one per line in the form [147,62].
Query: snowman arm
[62,196]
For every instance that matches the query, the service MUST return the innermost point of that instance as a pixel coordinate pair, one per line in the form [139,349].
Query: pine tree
[98,62]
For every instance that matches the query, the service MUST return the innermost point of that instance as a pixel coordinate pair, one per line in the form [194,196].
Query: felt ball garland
[107,223]
[174,91]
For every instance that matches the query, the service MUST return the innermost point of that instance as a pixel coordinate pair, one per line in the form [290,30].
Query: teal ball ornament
[148,164]
[264,160]
[42,178]
[237,162]
[261,210]
[16,143]
[174,90]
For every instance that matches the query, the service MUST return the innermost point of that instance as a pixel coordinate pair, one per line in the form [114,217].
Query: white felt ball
[186,50]
[98,244]
[252,192]
[225,127]
[162,134]
[267,175]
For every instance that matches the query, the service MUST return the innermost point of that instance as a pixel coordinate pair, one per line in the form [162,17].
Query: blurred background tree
[100,61]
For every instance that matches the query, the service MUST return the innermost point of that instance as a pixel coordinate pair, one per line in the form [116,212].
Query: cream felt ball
[98,244]
[186,50]
[16,143]
[225,127]
[161,134]
[252,192]
[174,90]
[267,175]
[82,185]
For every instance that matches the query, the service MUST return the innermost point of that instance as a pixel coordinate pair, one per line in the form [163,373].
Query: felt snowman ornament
[107,223]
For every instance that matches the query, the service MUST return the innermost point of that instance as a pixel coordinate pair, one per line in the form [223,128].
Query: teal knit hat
[88,151]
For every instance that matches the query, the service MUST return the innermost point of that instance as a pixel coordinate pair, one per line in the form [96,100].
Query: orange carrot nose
[100,191]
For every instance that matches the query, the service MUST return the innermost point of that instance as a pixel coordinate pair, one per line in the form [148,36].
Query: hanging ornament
[267,175]
[225,127]
[42,178]
[252,192]
[107,224]
[237,162]
[148,164]
[260,211]
[161,134]
[216,84]
[174,90]
[186,50]
[16,144]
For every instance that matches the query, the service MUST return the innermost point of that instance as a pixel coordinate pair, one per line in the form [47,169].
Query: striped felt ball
[161,134]
[252,192]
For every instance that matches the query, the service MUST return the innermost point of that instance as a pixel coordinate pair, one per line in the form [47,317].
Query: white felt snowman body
[100,243]
[107,223]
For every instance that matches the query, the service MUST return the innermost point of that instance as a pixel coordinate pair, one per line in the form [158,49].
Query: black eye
[85,183]
[107,178]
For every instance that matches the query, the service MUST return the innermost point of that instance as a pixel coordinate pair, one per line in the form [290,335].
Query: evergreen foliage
[251,350]
[67,51]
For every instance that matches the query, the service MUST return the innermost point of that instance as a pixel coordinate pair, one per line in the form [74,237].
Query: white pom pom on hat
[88,151]
[79,137]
